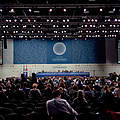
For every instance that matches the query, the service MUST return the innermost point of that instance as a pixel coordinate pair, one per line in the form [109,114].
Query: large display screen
[67,51]
[1,52]
[118,51]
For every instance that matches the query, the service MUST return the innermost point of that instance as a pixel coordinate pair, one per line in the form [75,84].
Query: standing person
[60,109]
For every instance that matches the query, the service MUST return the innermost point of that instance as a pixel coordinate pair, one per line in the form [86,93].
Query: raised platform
[82,74]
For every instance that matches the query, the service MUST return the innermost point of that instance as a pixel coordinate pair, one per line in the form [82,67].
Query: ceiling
[59,1]
[59,18]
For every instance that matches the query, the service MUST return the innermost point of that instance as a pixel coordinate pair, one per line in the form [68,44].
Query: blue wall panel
[30,51]
[38,51]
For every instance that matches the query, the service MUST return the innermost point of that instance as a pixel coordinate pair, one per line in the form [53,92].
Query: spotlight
[29,20]
[15,20]
[85,10]
[68,20]
[101,9]
[53,25]
[116,20]
[21,20]
[83,20]
[2,36]
[92,20]
[10,20]
[28,31]
[114,9]
[33,26]
[1,10]
[91,25]
[50,10]
[12,11]
[24,26]
[64,10]
[55,31]
[88,20]
[67,25]
[30,10]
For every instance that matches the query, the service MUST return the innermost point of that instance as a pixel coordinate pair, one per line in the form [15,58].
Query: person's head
[56,93]
[34,85]
[80,94]
[61,90]
[62,84]
[87,88]
[75,87]
[48,86]
[18,86]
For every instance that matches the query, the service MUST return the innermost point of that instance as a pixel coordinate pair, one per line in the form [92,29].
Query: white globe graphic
[59,48]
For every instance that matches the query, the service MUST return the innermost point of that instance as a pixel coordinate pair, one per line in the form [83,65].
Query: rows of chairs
[24,110]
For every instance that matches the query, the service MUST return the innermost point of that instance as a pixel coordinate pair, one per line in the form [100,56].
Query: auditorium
[59,59]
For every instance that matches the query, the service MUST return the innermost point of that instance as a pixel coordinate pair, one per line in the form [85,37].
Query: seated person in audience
[59,109]
[107,97]
[89,93]
[117,91]
[9,92]
[19,93]
[73,91]
[48,91]
[26,89]
[3,97]
[79,101]
[35,93]
[64,94]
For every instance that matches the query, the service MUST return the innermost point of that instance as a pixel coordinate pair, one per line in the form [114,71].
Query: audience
[99,94]
[59,109]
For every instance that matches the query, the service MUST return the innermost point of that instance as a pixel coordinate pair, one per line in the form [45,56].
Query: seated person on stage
[59,109]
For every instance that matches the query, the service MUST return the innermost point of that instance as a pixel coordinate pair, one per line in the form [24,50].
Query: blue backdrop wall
[37,51]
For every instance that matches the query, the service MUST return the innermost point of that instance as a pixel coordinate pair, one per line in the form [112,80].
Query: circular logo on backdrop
[59,48]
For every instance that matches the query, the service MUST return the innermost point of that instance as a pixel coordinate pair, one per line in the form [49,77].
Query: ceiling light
[50,10]
[64,10]
[101,9]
